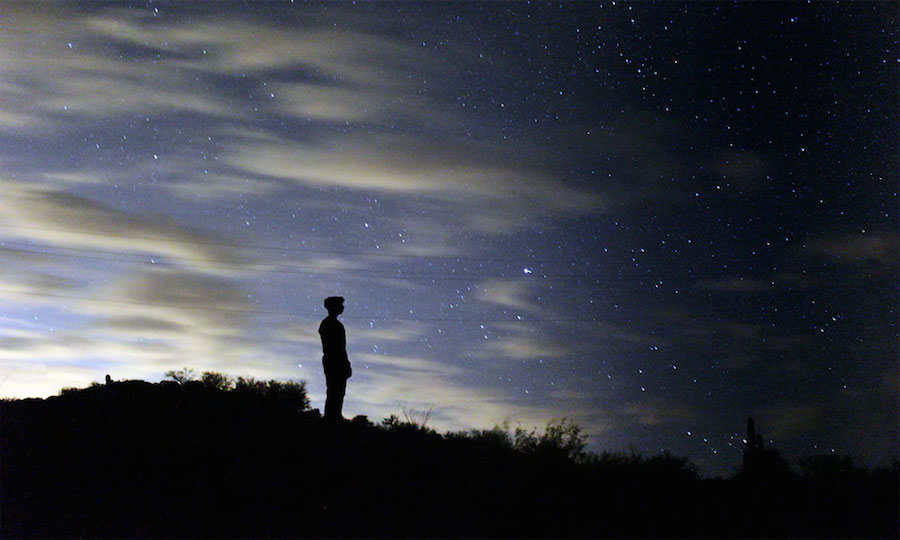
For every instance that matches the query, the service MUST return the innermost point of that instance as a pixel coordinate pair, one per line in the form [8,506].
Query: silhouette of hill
[198,459]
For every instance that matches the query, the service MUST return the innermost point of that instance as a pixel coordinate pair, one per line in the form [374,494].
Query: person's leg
[329,398]
[327,402]
[340,387]
[334,397]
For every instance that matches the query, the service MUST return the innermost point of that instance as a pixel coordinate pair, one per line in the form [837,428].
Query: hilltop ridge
[135,459]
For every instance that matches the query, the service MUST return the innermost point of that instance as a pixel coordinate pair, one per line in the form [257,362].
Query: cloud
[353,75]
[309,70]
[216,187]
[523,348]
[788,421]
[654,412]
[38,379]
[738,285]
[62,219]
[138,325]
[524,341]
[469,187]
[31,272]
[401,332]
[182,289]
[404,364]
[740,361]
[354,69]
[458,405]
[191,307]
[508,294]
[859,248]
[372,105]
[398,164]
[63,70]
[236,45]
[744,170]
[129,324]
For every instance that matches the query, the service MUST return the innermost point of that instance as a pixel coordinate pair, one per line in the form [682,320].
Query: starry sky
[653,219]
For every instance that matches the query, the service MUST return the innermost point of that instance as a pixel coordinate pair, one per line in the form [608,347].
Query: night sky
[652,219]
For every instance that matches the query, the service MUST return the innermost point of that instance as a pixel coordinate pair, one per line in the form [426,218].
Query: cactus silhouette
[753,451]
[761,462]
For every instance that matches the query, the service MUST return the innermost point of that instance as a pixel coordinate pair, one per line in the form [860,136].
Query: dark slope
[163,460]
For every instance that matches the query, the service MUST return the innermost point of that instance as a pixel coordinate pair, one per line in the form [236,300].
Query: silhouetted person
[334,357]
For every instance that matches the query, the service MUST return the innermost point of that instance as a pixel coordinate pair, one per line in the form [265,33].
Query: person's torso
[334,340]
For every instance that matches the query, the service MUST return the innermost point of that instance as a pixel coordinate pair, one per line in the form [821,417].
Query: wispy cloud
[509,294]
[793,420]
[859,248]
[738,285]
[469,179]
[458,404]
[524,341]
[655,412]
[56,217]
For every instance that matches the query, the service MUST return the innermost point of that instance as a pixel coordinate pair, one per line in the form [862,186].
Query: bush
[496,437]
[292,392]
[672,467]
[361,420]
[826,467]
[560,439]
[393,423]
[417,418]
[250,385]
[216,380]
[182,376]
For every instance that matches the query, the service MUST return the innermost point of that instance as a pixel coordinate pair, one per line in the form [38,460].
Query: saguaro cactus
[753,450]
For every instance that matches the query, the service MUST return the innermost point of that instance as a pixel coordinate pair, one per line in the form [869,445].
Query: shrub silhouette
[560,439]
[289,392]
[216,380]
[407,425]
[827,468]
[497,437]
[419,418]
[182,376]
[249,385]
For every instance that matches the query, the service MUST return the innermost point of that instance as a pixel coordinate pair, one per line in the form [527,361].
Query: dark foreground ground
[135,459]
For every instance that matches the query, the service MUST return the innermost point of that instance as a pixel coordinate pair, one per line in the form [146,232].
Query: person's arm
[346,358]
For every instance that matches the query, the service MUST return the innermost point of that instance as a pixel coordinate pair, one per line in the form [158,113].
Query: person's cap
[333,302]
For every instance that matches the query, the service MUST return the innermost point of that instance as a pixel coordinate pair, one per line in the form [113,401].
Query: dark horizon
[420,419]
[197,459]
[653,219]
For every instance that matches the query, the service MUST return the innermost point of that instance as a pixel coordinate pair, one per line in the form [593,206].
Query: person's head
[334,305]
